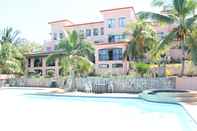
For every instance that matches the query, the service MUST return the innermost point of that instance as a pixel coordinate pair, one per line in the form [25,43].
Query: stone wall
[28,82]
[102,85]
[124,85]
[186,83]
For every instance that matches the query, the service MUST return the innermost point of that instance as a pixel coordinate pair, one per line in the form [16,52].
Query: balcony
[117,38]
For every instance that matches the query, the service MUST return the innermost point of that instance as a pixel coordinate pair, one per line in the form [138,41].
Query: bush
[50,74]
[142,68]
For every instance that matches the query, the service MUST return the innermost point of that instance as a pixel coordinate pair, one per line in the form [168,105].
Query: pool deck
[191,108]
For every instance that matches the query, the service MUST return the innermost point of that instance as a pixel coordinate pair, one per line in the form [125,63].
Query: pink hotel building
[108,37]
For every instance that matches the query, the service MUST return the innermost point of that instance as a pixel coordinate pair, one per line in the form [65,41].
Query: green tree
[10,59]
[74,60]
[142,68]
[9,35]
[143,39]
[10,56]
[27,47]
[181,15]
[192,45]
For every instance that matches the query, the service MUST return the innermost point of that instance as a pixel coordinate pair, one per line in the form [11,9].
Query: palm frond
[190,21]
[158,3]
[169,38]
[9,35]
[155,16]
[52,57]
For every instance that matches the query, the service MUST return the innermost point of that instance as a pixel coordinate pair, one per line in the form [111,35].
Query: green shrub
[142,68]
[50,74]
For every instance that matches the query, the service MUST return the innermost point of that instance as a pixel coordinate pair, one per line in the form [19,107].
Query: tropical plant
[192,45]
[76,51]
[13,50]
[50,74]
[9,35]
[142,68]
[27,47]
[10,59]
[143,38]
[182,16]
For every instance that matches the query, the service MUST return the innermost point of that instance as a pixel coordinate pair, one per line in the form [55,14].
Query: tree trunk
[182,59]
[70,84]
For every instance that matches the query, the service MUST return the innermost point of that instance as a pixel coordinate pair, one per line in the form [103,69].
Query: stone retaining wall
[124,85]
[28,82]
[102,85]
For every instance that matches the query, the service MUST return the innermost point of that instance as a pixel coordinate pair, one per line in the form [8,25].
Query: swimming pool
[20,111]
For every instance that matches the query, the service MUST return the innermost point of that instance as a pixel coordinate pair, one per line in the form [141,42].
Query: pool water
[22,111]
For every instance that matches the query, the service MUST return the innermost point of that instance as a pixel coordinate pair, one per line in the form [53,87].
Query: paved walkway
[191,108]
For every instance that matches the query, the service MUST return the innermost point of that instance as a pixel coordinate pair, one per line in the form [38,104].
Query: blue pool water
[24,110]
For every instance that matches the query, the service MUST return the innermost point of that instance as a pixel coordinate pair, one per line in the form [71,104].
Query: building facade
[108,36]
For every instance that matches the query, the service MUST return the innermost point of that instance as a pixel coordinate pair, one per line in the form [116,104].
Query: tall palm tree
[10,56]
[192,45]
[143,38]
[9,35]
[76,51]
[181,15]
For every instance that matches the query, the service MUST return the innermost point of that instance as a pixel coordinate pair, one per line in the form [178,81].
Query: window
[81,33]
[122,22]
[111,38]
[102,31]
[95,31]
[111,23]
[61,36]
[55,36]
[117,65]
[29,62]
[103,55]
[103,65]
[117,54]
[49,48]
[110,54]
[88,32]
[38,62]
[61,72]
[116,38]
[51,63]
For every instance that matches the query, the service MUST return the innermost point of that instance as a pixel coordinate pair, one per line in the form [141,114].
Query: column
[56,67]
[43,66]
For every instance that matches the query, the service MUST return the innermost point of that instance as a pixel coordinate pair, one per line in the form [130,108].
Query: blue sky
[31,17]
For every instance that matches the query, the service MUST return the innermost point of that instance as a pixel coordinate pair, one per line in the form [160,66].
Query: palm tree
[10,56]
[192,45]
[9,35]
[143,38]
[181,15]
[10,59]
[76,51]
